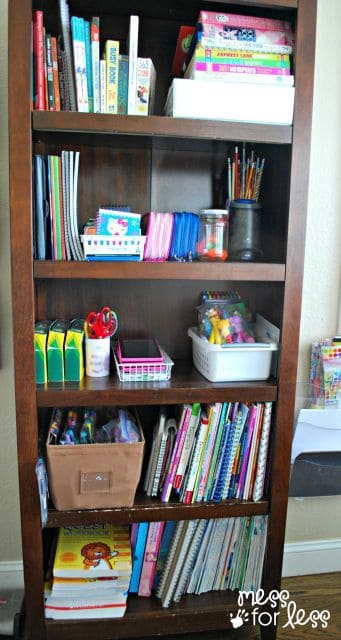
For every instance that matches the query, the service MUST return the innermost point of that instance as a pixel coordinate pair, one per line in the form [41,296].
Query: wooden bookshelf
[158,163]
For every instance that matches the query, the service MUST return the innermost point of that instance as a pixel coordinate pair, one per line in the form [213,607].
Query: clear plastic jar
[213,235]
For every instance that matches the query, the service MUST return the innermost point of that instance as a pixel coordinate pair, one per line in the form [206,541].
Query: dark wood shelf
[159,126]
[191,614]
[186,385]
[248,271]
[152,510]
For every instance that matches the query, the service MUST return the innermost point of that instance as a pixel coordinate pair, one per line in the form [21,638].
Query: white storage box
[233,362]
[219,100]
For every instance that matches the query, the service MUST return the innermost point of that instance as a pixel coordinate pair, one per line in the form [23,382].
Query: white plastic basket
[233,362]
[142,372]
[122,246]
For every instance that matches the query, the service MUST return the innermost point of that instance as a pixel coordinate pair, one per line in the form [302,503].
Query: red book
[38,50]
[181,51]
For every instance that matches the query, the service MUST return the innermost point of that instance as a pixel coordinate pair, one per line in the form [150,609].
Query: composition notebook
[92,551]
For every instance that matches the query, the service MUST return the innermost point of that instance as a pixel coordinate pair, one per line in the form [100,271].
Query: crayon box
[41,331]
[73,351]
[55,351]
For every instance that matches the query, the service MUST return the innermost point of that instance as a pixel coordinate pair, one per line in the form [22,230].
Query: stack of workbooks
[197,556]
[213,555]
[90,573]
[55,226]
[212,452]
[246,60]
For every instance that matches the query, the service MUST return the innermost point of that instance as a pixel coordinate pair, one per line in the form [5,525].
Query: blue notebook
[226,454]
[138,557]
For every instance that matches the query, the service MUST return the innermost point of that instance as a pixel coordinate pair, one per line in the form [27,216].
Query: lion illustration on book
[97,555]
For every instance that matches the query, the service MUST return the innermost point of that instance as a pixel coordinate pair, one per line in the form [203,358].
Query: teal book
[122,91]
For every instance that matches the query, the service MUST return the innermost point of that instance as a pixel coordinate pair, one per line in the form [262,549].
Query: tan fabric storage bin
[94,476]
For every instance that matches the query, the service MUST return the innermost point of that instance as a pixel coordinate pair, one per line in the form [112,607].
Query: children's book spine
[188,443]
[145,86]
[254,78]
[150,558]
[133,55]
[122,90]
[138,556]
[85,99]
[218,54]
[167,488]
[183,427]
[76,45]
[219,20]
[207,456]
[199,444]
[55,74]
[239,68]
[38,48]
[95,64]
[111,57]
[49,73]
[87,38]
[263,43]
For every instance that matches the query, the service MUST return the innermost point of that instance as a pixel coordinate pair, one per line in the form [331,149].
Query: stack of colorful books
[197,556]
[90,573]
[212,452]
[247,61]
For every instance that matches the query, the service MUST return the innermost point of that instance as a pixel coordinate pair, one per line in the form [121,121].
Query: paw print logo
[238,620]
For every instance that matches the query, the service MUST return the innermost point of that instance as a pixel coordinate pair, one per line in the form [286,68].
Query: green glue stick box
[55,351]
[74,358]
[41,330]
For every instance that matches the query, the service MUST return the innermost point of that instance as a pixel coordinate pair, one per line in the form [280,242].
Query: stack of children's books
[90,572]
[242,68]
[73,71]
[197,556]
[212,452]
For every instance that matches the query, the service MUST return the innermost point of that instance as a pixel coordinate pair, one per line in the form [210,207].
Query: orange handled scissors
[101,324]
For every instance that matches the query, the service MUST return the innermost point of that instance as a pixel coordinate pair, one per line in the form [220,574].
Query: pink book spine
[150,558]
[180,446]
[167,488]
[245,460]
[221,20]
[236,68]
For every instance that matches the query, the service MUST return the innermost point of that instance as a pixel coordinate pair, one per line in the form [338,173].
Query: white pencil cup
[97,357]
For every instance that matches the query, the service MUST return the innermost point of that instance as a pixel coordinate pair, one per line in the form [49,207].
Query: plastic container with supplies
[233,362]
[213,233]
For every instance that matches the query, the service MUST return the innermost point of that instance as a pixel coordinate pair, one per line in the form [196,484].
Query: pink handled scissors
[101,324]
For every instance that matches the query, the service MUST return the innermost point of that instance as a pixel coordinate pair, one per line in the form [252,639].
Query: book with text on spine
[111,58]
[145,87]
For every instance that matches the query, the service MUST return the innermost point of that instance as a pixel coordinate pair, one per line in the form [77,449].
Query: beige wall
[309,519]
[319,518]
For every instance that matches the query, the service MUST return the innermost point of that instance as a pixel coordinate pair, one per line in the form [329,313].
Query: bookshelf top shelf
[158,126]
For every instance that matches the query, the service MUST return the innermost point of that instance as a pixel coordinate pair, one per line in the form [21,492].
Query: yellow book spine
[111,56]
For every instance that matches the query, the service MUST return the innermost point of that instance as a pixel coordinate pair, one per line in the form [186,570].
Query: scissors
[101,324]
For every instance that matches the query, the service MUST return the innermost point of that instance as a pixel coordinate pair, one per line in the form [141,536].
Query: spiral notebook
[190,559]
[258,486]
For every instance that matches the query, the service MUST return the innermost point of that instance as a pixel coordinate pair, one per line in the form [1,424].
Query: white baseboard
[11,575]
[312,556]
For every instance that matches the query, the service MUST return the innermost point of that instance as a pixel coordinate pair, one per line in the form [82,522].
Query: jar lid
[213,212]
